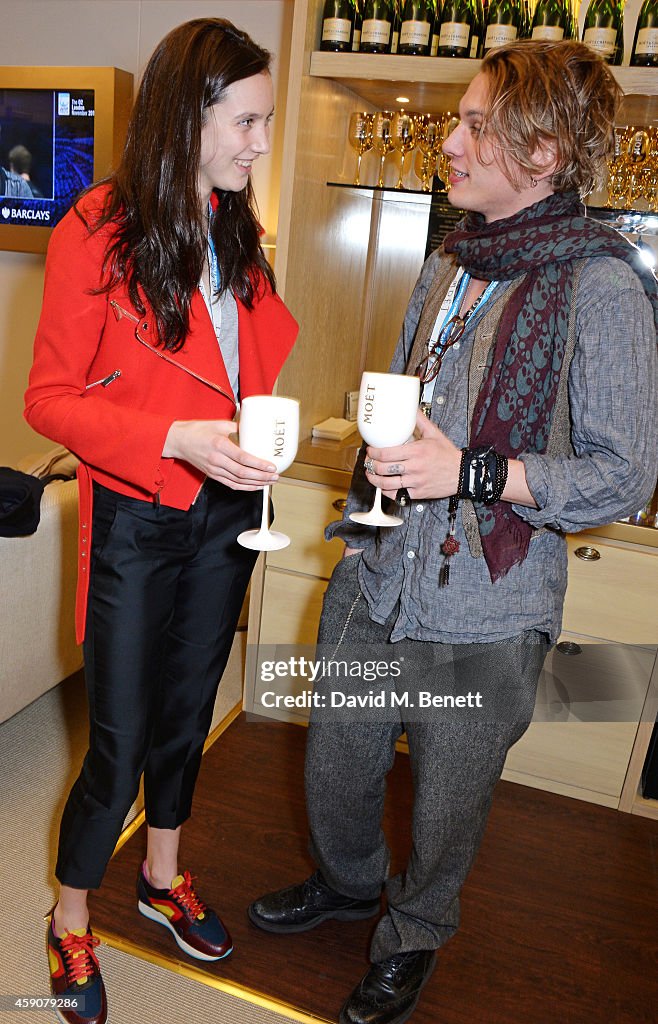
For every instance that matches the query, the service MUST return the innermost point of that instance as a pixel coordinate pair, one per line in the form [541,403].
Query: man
[533,332]
[12,185]
[20,163]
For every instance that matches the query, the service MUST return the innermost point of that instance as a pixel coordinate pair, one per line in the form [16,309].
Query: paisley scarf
[514,409]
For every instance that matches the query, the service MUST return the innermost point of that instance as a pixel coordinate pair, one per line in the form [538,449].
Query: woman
[159,314]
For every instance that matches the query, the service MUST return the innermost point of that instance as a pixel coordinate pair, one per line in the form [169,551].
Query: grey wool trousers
[457,756]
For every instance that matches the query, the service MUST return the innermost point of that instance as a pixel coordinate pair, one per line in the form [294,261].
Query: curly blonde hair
[558,96]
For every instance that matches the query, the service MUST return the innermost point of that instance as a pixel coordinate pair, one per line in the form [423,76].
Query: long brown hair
[158,244]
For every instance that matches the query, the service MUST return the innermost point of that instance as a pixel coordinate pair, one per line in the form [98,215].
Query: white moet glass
[268,429]
[388,403]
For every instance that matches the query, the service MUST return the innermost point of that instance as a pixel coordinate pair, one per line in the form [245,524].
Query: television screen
[46,153]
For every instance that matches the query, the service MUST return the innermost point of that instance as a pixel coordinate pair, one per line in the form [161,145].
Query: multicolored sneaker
[75,977]
[196,928]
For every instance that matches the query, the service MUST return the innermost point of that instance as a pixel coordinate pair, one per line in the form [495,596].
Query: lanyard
[213,262]
[449,310]
[212,301]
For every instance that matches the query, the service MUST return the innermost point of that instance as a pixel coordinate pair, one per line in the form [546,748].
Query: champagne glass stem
[401,175]
[358,170]
[380,183]
[265,515]
[377,503]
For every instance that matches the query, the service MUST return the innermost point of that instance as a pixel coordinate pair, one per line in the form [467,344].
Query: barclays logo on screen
[13,214]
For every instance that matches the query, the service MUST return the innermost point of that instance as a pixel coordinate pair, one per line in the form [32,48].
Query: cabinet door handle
[588,554]
[340,504]
[568,647]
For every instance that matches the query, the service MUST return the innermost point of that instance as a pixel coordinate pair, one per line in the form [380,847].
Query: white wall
[123,34]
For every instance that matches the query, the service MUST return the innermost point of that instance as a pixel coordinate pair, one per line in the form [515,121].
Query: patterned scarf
[514,409]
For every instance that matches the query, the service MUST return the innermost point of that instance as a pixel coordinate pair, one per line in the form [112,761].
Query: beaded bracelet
[494,487]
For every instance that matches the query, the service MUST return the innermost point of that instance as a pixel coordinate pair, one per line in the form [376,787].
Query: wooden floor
[559,915]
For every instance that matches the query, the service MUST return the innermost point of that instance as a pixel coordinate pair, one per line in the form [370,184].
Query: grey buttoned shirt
[614,434]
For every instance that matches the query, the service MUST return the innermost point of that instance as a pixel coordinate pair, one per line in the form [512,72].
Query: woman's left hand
[426,468]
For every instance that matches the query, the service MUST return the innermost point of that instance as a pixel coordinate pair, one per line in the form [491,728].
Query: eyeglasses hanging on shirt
[448,335]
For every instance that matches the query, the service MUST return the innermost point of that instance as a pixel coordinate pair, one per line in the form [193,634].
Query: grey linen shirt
[614,433]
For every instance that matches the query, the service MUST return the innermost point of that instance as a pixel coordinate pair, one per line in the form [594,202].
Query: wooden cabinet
[596,685]
[346,263]
[597,696]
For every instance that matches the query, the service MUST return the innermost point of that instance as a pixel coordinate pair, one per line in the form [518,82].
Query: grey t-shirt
[224,315]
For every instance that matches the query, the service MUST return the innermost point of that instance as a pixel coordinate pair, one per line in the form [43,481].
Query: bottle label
[415,33]
[455,34]
[336,30]
[375,32]
[498,35]
[356,40]
[553,33]
[647,41]
[434,45]
[395,40]
[601,40]
[475,42]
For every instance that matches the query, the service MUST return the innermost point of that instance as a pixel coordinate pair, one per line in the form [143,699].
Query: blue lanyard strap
[453,312]
[213,262]
[439,346]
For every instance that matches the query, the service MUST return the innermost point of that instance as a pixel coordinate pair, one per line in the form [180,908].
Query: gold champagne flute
[429,143]
[639,148]
[383,140]
[359,135]
[652,190]
[614,165]
[404,133]
[448,124]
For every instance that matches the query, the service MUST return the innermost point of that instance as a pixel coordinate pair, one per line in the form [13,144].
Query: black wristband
[482,474]
[473,472]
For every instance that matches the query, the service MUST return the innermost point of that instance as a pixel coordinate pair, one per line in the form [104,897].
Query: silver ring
[369,466]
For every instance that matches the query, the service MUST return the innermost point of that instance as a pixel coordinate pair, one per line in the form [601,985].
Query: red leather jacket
[101,387]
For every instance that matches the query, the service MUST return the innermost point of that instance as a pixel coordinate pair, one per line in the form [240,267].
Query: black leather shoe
[302,907]
[390,990]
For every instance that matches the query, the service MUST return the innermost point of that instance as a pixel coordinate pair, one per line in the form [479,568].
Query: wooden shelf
[438,83]
[430,83]
[389,193]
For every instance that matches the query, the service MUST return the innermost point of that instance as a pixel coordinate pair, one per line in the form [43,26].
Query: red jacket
[118,430]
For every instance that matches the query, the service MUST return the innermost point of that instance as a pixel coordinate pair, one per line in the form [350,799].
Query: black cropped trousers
[166,590]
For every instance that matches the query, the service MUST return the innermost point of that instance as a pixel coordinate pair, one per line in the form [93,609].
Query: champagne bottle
[415,27]
[603,30]
[457,20]
[377,26]
[358,18]
[477,32]
[337,25]
[549,20]
[525,28]
[436,29]
[502,24]
[395,31]
[645,44]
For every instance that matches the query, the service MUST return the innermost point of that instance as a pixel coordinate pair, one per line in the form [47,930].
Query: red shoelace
[189,900]
[80,961]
